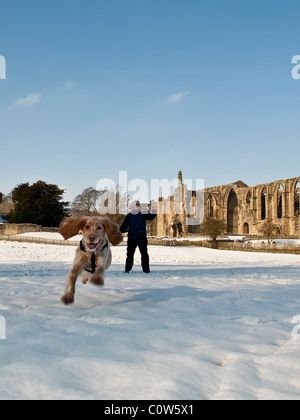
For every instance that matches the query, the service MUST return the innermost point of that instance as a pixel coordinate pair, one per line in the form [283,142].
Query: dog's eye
[99,227]
[87,227]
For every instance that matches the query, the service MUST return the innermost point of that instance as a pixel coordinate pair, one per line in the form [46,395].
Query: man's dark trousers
[143,247]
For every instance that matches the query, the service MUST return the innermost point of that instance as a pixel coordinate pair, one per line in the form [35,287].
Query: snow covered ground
[205,324]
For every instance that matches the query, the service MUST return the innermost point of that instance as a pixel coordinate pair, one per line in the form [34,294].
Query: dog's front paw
[67,299]
[97,281]
[84,280]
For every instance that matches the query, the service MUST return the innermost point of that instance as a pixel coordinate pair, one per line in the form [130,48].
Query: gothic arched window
[279,201]
[297,192]
[248,197]
[263,204]
[210,205]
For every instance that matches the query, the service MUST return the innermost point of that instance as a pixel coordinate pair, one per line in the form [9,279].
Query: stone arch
[248,197]
[279,201]
[232,212]
[296,194]
[177,229]
[294,198]
[211,205]
[263,204]
[246,229]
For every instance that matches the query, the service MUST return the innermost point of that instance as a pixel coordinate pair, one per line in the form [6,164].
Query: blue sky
[95,87]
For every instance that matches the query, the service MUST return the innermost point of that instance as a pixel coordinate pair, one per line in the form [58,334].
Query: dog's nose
[91,238]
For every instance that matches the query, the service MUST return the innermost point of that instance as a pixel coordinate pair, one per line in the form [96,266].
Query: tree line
[42,204]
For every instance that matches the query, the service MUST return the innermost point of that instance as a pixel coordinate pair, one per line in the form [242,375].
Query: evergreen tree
[40,203]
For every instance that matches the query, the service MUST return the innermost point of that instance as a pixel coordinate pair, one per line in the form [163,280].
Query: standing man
[135,222]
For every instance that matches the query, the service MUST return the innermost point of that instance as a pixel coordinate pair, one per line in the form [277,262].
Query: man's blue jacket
[136,225]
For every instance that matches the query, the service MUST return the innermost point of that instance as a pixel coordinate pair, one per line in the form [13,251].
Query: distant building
[5,206]
[244,209]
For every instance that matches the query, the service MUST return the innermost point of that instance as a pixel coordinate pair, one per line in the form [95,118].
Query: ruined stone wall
[17,229]
[171,214]
[244,209]
[277,202]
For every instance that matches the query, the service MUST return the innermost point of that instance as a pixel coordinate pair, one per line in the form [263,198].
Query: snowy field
[57,236]
[204,325]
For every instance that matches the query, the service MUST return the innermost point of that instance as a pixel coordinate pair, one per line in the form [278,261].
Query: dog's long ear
[112,231]
[71,226]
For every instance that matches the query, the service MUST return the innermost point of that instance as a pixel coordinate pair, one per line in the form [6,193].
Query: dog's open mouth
[92,246]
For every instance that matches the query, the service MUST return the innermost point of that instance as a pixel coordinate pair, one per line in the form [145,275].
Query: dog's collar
[93,260]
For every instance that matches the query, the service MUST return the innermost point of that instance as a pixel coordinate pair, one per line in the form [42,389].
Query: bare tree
[114,203]
[85,204]
[269,229]
[213,228]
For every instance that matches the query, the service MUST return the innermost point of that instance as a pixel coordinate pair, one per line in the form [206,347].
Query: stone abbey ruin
[244,209]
